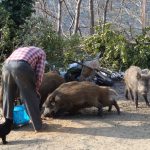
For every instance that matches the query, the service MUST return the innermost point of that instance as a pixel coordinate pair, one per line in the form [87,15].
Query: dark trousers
[19,75]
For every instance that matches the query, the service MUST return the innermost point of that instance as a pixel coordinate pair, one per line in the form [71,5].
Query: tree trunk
[143,15]
[59,30]
[91,11]
[77,15]
[72,17]
[105,14]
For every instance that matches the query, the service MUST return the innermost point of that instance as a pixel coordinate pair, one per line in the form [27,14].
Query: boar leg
[110,108]
[146,100]
[127,93]
[4,140]
[100,109]
[132,97]
[113,102]
[136,98]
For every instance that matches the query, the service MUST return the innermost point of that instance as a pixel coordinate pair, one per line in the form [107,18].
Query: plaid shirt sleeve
[40,70]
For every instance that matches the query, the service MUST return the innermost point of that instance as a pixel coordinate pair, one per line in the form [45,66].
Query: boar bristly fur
[73,96]
[50,82]
[136,82]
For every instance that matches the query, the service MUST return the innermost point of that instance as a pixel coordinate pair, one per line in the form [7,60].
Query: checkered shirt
[35,57]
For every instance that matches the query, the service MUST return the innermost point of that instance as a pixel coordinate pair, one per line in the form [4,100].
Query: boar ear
[145,71]
[44,105]
[48,99]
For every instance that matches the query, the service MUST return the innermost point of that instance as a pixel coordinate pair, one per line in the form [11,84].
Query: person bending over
[23,70]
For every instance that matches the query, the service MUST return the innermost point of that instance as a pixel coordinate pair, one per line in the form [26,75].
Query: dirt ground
[128,131]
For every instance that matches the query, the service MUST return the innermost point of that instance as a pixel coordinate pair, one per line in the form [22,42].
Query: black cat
[5,129]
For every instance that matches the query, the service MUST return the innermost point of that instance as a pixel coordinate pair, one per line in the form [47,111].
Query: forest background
[78,30]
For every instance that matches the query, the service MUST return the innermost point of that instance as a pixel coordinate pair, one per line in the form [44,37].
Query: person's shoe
[44,126]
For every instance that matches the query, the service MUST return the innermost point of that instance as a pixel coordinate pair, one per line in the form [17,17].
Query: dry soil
[128,131]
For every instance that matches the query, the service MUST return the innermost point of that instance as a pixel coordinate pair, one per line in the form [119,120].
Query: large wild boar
[51,80]
[73,96]
[136,82]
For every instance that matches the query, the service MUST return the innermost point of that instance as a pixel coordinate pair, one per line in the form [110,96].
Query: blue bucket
[20,116]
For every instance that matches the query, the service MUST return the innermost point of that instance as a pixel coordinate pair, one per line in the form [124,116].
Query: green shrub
[111,43]
[13,13]
[19,10]
[72,49]
[140,51]
[6,31]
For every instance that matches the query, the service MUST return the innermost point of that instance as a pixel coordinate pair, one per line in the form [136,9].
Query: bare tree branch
[143,14]
[72,17]
[105,14]
[77,15]
[91,11]
[59,17]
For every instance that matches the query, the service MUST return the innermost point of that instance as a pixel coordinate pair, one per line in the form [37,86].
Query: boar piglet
[136,81]
[73,96]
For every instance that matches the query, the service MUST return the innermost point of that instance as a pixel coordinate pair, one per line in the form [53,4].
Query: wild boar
[136,82]
[51,80]
[73,96]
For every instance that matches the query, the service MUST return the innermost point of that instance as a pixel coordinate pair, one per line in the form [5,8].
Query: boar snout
[49,112]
